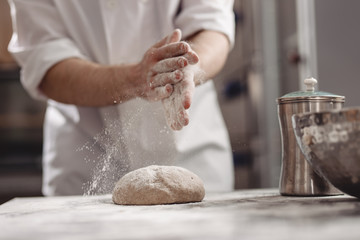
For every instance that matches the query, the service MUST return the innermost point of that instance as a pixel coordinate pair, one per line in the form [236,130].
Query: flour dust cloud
[116,158]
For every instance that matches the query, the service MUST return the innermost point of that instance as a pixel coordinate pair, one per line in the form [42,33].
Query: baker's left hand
[176,106]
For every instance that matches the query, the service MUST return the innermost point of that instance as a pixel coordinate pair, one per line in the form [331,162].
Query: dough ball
[158,185]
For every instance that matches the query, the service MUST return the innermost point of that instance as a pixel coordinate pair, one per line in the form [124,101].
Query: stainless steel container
[297,177]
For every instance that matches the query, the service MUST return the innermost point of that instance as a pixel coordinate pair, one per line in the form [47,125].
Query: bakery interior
[273,52]
[278,44]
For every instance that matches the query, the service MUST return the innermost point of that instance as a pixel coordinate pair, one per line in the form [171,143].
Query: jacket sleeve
[39,41]
[216,15]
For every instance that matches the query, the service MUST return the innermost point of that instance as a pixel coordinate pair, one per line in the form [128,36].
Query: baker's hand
[161,67]
[179,102]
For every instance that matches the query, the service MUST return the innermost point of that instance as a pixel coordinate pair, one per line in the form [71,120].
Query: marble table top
[244,214]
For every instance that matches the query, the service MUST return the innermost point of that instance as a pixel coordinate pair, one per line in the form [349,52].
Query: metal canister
[297,178]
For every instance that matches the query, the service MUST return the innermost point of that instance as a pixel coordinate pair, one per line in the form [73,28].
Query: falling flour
[113,158]
[110,163]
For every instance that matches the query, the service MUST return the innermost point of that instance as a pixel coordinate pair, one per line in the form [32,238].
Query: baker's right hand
[161,67]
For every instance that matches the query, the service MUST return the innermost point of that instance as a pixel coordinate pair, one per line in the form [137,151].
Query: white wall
[337,26]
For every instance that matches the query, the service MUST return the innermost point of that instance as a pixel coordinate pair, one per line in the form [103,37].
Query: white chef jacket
[132,134]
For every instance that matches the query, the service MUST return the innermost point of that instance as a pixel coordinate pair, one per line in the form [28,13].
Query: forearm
[212,48]
[83,83]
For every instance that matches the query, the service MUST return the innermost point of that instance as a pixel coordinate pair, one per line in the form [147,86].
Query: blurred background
[278,44]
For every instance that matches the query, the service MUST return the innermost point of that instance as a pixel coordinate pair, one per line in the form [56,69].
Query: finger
[192,57]
[169,65]
[187,98]
[187,89]
[173,50]
[160,93]
[166,78]
[172,37]
[176,115]
[180,120]
[180,117]
[170,112]
[176,126]
[170,106]
[183,117]
[175,36]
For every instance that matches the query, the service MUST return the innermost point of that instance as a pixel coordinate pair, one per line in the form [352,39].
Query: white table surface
[245,214]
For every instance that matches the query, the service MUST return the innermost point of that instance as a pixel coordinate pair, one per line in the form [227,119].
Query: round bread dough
[158,185]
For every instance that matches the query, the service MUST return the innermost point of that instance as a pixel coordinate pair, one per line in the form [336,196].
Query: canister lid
[310,94]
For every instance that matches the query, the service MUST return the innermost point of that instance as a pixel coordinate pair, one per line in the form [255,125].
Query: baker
[101,64]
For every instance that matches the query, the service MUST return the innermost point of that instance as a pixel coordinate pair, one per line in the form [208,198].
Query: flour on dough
[158,185]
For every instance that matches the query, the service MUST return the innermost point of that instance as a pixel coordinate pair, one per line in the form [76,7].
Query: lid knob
[310,84]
